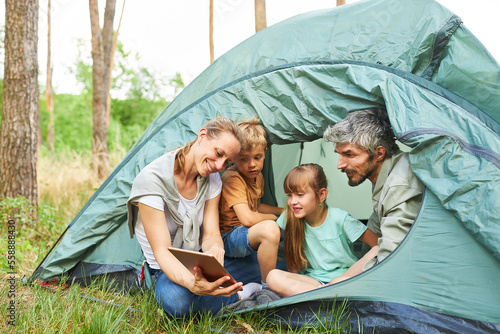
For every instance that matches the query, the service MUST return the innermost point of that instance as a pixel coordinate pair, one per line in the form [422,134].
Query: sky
[172,36]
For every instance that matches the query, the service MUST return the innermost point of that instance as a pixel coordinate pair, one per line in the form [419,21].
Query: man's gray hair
[367,129]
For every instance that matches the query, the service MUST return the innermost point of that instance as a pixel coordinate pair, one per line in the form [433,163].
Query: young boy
[248,226]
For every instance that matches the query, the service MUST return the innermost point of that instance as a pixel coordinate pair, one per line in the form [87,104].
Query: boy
[248,226]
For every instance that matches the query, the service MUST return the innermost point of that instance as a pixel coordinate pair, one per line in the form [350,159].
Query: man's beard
[369,172]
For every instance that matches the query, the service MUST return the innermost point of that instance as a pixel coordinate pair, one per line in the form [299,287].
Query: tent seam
[475,150]
[441,40]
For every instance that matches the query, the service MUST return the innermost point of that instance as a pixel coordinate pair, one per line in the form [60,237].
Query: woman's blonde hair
[298,180]
[215,128]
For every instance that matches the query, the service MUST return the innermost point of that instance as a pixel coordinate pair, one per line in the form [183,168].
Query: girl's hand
[203,287]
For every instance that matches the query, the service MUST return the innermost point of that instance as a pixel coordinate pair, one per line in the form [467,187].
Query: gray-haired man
[367,149]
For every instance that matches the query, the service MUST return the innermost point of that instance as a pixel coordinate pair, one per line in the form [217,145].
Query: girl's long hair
[298,180]
[215,128]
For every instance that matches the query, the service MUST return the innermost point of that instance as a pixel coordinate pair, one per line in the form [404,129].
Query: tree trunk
[101,57]
[49,94]
[111,66]
[260,15]
[340,2]
[21,105]
[211,31]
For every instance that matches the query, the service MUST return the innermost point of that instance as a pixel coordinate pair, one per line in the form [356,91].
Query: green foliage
[38,222]
[139,112]
[133,80]
[73,123]
[141,101]
[82,69]
[177,83]
[35,229]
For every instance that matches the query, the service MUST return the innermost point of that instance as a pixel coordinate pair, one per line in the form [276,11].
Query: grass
[65,184]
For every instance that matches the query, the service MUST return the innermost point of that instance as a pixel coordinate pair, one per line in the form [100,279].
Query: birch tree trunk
[101,60]
[49,94]
[260,15]
[111,66]
[211,31]
[21,111]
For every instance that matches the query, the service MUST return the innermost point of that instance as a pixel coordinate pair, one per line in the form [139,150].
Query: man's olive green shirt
[396,200]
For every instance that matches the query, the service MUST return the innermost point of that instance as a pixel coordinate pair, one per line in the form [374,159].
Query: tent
[440,87]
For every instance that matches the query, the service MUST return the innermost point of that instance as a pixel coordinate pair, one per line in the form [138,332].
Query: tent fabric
[376,317]
[440,88]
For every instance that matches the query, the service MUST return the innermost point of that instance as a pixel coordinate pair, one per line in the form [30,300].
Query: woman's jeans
[177,301]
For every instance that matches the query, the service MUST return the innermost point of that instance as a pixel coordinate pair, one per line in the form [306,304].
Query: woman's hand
[218,252]
[203,287]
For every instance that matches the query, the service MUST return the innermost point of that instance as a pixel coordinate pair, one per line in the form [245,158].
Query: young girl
[317,237]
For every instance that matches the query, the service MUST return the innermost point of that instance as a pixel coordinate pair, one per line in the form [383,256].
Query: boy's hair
[299,179]
[254,134]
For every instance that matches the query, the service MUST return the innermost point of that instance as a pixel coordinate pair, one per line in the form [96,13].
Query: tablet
[211,269]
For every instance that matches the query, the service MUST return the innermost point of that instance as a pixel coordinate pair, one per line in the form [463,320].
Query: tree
[49,93]
[101,61]
[211,31]
[111,65]
[260,15]
[21,112]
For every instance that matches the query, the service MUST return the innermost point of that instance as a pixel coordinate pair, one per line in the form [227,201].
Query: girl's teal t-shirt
[328,246]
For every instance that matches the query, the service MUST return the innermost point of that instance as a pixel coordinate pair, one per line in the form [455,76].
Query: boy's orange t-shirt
[237,189]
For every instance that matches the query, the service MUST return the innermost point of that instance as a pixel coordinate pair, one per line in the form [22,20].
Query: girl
[317,238]
[174,201]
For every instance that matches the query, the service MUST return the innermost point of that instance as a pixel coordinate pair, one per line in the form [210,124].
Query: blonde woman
[174,202]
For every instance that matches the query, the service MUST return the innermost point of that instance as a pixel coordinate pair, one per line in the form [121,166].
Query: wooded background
[33,122]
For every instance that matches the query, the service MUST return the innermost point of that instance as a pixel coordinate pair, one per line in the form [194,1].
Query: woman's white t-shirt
[156,202]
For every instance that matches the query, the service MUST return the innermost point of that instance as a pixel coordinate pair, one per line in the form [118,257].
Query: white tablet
[211,269]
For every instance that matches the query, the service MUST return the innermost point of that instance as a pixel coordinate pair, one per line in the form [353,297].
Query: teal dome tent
[440,87]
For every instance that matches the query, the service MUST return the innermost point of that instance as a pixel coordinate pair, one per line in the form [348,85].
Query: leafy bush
[37,228]
[73,123]
[37,223]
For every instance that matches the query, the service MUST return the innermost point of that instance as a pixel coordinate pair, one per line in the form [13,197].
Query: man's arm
[399,210]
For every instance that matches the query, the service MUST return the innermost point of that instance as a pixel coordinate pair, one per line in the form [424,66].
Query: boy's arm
[265,208]
[248,217]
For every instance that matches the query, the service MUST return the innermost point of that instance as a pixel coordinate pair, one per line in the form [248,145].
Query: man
[367,149]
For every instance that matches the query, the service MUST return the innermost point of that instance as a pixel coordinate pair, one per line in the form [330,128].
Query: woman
[174,202]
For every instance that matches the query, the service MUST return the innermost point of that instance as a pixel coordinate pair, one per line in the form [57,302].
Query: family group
[181,200]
